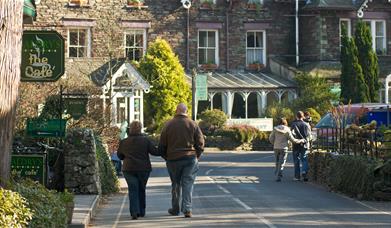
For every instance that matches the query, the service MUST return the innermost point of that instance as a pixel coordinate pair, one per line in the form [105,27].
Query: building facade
[248,46]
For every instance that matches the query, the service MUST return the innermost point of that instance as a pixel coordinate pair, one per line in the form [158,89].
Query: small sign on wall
[263,124]
[29,166]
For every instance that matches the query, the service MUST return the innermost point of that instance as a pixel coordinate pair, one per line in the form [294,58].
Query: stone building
[248,46]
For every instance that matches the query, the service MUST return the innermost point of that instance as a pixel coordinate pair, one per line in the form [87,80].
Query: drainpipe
[227,35]
[297,32]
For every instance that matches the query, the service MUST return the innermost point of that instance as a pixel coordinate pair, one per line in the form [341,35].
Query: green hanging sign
[42,56]
[202,87]
[76,107]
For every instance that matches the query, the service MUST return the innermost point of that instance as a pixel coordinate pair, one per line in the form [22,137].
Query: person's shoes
[278,179]
[296,179]
[134,217]
[172,212]
[188,214]
[141,215]
[305,178]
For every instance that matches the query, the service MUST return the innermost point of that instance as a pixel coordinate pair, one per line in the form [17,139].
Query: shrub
[212,120]
[13,209]
[240,133]
[49,209]
[277,111]
[315,116]
[352,175]
[108,179]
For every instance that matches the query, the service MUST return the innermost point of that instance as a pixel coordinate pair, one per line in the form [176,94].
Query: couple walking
[300,135]
[181,145]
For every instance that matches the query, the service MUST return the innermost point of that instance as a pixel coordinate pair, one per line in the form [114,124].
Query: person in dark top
[301,130]
[136,168]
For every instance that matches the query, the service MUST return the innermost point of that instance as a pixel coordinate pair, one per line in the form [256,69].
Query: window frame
[373,34]
[129,31]
[217,60]
[254,48]
[88,42]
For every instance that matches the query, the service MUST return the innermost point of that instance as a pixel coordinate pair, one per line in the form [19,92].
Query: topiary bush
[277,111]
[212,120]
[47,206]
[240,133]
[315,116]
[13,209]
[108,179]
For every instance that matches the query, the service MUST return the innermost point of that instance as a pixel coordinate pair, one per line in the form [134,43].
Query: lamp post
[193,94]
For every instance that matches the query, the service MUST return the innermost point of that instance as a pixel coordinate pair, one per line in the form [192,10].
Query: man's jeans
[137,182]
[300,154]
[182,174]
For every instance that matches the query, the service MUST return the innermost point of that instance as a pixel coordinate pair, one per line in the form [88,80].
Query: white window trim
[349,28]
[264,45]
[88,41]
[373,33]
[217,60]
[128,31]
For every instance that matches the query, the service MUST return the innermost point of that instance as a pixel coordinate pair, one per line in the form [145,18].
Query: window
[135,44]
[378,32]
[255,47]
[78,43]
[207,47]
[121,110]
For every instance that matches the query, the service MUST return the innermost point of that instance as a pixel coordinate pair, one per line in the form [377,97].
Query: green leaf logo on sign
[202,87]
[42,56]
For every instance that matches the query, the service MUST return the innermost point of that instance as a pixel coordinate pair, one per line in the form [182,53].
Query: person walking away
[183,143]
[135,151]
[280,137]
[301,130]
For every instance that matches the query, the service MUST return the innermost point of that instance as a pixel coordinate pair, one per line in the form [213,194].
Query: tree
[161,67]
[11,30]
[368,60]
[353,86]
[347,85]
[314,92]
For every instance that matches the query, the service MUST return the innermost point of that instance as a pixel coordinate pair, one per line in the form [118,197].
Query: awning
[29,8]
[246,81]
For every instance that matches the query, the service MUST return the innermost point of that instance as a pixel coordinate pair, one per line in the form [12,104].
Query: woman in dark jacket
[135,151]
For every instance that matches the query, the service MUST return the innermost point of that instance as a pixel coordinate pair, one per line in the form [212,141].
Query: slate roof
[333,4]
[101,75]
[246,81]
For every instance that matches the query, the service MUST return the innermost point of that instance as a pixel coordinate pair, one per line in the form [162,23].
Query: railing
[351,141]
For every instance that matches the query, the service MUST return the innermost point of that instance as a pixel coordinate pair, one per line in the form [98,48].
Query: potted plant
[68,199]
[256,65]
[207,4]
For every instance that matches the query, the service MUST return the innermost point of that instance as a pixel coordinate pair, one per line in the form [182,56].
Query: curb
[81,218]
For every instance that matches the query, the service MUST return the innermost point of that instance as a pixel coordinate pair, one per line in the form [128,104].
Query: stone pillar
[81,171]
[262,100]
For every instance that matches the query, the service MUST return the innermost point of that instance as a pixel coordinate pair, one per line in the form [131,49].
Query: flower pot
[69,210]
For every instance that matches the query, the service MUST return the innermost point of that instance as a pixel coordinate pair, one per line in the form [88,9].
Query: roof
[332,69]
[246,81]
[333,4]
[101,75]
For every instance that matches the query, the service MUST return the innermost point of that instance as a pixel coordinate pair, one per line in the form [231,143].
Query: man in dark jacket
[301,130]
[183,142]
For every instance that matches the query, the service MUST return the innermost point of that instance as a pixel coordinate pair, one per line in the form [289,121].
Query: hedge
[13,209]
[108,178]
[47,205]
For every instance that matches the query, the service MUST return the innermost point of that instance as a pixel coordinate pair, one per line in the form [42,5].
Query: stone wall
[81,166]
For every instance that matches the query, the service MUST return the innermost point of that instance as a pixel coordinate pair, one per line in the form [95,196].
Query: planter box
[209,66]
[255,66]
